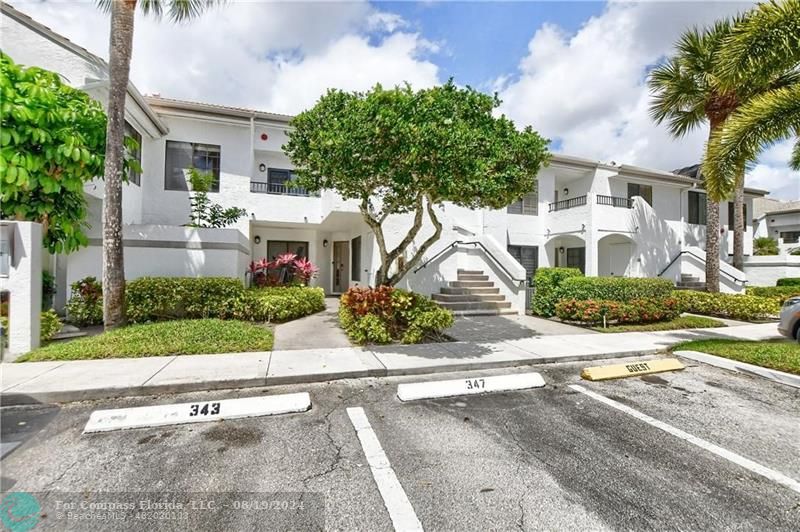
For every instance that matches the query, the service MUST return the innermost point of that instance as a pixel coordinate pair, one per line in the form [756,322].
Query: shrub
[765,246]
[171,298]
[615,288]
[85,305]
[788,281]
[795,251]
[738,307]
[618,312]
[49,326]
[782,293]
[547,282]
[385,314]
[279,303]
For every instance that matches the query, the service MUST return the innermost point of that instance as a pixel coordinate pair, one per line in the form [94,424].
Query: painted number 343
[203,409]
[475,384]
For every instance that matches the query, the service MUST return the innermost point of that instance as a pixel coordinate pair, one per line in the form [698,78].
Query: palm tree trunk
[712,245]
[738,222]
[120,48]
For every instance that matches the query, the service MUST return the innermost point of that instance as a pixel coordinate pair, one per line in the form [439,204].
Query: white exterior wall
[765,271]
[24,285]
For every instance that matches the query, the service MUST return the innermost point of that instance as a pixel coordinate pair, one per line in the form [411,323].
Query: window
[527,256]
[134,176]
[576,258]
[644,191]
[181,156]
[355,259]
[697,208]
[277,247]
[790,237]
[528,204]
[730,215]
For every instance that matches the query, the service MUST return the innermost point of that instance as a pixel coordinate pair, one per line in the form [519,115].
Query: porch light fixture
[325,243]
[262,167]
[566,191]
[257,239]
[561,250]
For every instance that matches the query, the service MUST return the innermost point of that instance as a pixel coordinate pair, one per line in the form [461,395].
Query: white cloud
[274,56]
[588,90]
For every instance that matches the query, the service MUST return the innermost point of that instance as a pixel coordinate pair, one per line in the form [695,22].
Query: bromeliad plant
[286,269]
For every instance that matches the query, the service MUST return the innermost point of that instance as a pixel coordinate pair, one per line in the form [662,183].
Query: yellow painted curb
[618,371]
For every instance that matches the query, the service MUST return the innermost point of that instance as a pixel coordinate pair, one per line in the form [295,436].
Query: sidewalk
[41,382]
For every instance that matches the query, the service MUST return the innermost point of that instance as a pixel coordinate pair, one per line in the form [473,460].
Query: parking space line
[394,497]
[468,386]
[755,467]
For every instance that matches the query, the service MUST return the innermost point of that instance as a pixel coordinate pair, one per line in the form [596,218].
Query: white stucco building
[607,219]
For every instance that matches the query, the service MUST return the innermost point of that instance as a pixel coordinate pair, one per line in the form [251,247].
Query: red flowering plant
[286,269]
[304,270]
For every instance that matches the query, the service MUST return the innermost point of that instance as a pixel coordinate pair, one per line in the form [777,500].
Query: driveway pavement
[545,459]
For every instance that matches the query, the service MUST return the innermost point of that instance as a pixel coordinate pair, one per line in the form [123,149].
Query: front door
[341,274]
[576,258]
[620,257]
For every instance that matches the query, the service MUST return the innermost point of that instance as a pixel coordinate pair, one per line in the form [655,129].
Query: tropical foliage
[52,139]
[399,151]
[204,212]
[765,245]
[286,269]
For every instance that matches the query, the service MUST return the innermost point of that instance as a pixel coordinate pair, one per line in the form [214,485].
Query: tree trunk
[712,245]
[120,47]
[738,222]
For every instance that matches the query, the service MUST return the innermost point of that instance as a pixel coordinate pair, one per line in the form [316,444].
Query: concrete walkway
[33,382]
[320,330]
[511,327]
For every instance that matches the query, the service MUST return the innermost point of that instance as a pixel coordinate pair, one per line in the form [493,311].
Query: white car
[790,318]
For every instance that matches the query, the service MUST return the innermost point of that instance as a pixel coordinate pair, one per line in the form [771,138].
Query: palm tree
[686,95]
[120,50]
[771,34]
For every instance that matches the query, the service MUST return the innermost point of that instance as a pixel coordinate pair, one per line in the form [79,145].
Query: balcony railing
[615,201]
[567,203]
[278,188]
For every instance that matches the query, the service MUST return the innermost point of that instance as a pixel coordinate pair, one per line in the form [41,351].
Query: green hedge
[788,281]
[384,314]
[547,282]
[615,288]
[737,307]
[593,311]
[782,293]
[85,305]
[175,298]
[279,303]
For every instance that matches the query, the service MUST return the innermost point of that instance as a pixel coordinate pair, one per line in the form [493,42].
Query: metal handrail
[567,204]
[473,243]
[278,188]
[687,252]
[614,201]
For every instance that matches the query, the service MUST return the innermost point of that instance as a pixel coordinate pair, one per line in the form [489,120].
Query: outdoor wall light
[257,239]
[262,167]
[561,250]
[566,191]
[325,243]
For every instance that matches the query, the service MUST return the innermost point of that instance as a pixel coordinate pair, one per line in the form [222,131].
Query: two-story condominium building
[605,218]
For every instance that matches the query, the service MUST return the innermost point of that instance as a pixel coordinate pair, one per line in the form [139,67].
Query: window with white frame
[528,204]
[133,153]
[182,156]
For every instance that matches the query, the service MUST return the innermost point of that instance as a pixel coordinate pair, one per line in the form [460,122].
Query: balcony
[571,203]
[615,201]
[279,189]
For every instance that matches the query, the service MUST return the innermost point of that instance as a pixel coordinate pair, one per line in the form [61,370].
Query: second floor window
[643,191]
[181,156]
[697,208]
[528,204]
[133,175]
[730,215]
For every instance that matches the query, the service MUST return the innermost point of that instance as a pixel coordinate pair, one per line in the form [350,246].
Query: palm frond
[794,162]
[183,10]
[765,119]
[764,43]
[676,97]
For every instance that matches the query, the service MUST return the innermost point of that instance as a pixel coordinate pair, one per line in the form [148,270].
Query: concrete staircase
[690,282]
[473,294]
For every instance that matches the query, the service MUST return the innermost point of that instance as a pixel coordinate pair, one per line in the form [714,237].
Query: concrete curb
[742,367]
[11,398]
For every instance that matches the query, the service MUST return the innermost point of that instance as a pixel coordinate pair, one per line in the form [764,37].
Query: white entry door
[620,258]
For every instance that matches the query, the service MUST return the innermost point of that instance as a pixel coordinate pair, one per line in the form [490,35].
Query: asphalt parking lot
[551,458]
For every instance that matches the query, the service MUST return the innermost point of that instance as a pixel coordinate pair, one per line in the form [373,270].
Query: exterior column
[591,253]
[24,284]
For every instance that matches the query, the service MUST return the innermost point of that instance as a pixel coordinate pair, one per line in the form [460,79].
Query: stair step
[475,305]
[469,290]
[455,298]
[494,312]
[471,284]
[470,272]
[472,277]
[691,284]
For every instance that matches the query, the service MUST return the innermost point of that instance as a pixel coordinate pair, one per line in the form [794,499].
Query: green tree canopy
[52,140]
[399,151]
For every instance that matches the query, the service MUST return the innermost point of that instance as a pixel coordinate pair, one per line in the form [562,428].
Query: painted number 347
[203,409]
[475,384]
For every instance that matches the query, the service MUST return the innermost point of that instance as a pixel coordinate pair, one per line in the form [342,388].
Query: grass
[783,355]
[681,322]
[180,337]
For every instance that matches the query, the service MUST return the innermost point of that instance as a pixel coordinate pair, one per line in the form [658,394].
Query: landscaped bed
[178,337]
[782,355]
[681,322]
